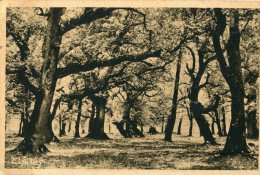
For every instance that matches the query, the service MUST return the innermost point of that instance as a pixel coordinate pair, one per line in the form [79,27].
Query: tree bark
[218,123]
[98,129]
[232,72]
[196,110]
[172,118]
[77,135]
[40,130]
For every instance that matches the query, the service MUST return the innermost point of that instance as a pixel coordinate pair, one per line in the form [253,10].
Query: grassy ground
[150,152]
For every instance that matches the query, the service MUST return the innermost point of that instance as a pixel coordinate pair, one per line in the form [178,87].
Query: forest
[135,88]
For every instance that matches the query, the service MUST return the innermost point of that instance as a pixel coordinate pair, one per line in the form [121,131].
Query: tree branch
[76,68]
[89,15]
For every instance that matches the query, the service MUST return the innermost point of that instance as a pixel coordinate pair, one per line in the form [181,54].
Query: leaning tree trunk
[77,135]
[98,129]
[232,72]
[196,110]
[172,118]
[204,129]
[40,132]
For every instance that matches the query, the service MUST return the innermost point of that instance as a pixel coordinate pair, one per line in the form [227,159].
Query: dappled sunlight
[150,152]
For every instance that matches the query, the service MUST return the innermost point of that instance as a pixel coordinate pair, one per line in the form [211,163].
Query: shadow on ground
[150,152]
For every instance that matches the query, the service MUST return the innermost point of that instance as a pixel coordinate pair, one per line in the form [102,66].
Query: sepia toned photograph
[136,88]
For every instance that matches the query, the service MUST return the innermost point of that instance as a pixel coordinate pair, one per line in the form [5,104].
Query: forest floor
[150,152]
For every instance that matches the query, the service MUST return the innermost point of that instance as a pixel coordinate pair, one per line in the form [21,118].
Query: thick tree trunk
[172,118]
[39,125]
[224,121]
[98,129]
[195,108]
[236,139]
[77,135]
[232,72]
[179,127]
[204,129]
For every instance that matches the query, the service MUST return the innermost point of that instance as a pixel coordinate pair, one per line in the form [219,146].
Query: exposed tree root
[237,150]
[28,146]
[98,136]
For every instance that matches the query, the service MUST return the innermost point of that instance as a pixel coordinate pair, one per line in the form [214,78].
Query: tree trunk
[98,129]
[172,118]
[77,135]
[69,128]
[224,121]
[232,72]
[179,127]
[195,108]
[39,125]
[60,124]
[236,139]
[204,129]
[191,127]
[252,130]
[126,118]
[24,124]
[218,123]
[213,127]
[92,118]
[131,126]
[162,131]
[21,124]
[191,121]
